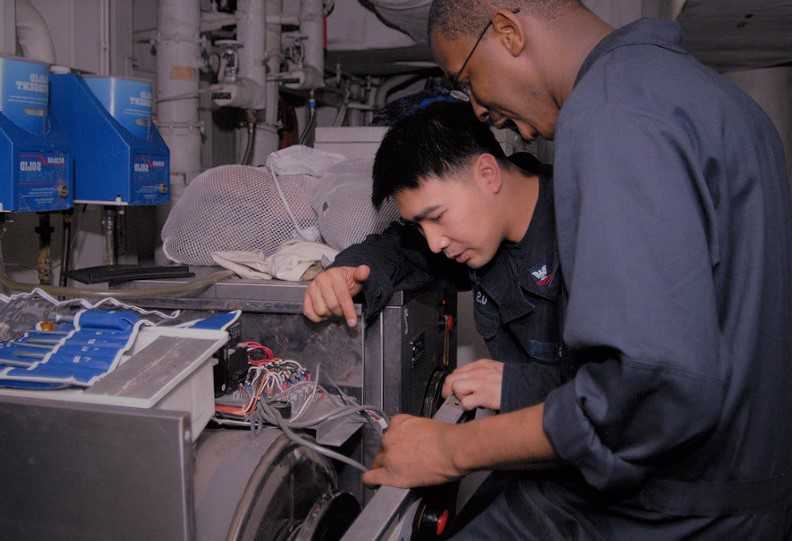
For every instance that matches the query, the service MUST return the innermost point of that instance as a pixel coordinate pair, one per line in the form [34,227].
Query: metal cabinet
[395,361]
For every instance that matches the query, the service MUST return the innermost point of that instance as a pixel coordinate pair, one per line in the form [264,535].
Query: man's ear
[509,31]
[487,173]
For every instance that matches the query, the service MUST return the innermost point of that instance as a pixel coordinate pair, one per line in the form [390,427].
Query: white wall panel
[85,39]
[7,27]
[121,47]
[75,26]
[144,14]
[144,28]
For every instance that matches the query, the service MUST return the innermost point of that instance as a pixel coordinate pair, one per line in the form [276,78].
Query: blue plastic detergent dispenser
[127,100]
[34,159]
[120,157]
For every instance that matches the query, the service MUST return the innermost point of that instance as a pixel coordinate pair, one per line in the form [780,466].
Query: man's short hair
[436,141]
[458,18]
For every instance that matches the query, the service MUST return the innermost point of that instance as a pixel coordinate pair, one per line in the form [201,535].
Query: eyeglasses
[461,90]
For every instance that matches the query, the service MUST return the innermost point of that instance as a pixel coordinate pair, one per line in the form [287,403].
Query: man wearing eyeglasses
[673,223]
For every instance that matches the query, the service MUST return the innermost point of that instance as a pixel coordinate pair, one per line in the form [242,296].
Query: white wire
[310,397]
[265,413]
[230,422]
[343,411]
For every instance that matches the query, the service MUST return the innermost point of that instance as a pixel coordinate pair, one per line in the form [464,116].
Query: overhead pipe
[267,131]
[178,61]
[257,89]
[309,73]
[211,21]
[274,56]
[312,26]
[251,25]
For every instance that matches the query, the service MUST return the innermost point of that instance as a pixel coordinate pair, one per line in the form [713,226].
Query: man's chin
[475,263]
[527,132]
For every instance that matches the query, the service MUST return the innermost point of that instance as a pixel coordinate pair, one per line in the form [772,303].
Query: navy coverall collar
[664,34]
[516,260]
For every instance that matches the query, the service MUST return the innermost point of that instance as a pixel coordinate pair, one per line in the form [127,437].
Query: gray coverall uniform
[674,234]
[673,223]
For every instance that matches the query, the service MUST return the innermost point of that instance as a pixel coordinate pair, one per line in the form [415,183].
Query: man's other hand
[331,292]
[415,452]
[476,385]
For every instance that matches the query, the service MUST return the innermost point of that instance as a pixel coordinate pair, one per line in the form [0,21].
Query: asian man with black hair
[478,218]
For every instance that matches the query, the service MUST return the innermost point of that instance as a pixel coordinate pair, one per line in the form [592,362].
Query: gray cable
[281,422]
[349,406]
[344,411]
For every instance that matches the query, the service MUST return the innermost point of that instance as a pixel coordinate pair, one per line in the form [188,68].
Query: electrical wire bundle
[274,388]
[265,414]
[267,376]
[339,406]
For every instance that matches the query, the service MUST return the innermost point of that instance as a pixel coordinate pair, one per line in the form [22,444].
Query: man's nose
[437,241]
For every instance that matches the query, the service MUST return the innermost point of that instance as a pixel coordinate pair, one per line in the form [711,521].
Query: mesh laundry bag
[343,205]
[236,207]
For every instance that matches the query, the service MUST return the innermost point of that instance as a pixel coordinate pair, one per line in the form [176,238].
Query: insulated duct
[32,33]
[409,16]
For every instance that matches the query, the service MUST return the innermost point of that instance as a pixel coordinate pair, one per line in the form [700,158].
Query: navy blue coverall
[515,295]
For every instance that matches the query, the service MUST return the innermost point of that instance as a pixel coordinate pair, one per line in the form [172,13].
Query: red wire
[255,346]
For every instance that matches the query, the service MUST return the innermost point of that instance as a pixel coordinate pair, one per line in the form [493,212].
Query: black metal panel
[339,349]
[391,370]
[80,471]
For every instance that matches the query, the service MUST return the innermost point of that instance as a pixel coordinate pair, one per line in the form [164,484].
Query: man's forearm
[501,440]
